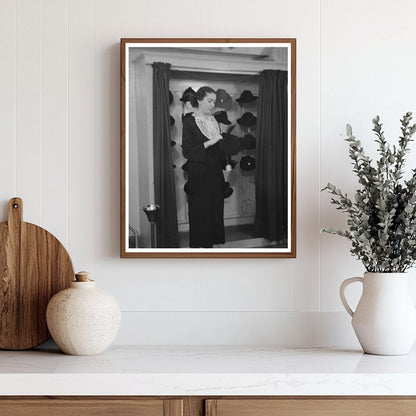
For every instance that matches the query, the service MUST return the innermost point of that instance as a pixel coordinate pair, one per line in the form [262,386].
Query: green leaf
[381,217]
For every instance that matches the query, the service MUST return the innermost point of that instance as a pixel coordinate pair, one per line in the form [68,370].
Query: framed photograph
[208,130]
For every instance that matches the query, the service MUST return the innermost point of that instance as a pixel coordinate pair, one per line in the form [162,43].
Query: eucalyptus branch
[382,214]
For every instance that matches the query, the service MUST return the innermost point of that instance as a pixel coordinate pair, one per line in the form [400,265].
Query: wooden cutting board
[34,266]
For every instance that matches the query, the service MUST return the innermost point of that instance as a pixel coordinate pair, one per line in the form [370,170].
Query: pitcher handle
[342,288]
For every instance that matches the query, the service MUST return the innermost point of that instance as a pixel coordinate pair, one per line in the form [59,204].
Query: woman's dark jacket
[205,187]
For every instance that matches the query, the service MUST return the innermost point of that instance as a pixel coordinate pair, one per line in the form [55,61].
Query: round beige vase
[82,319]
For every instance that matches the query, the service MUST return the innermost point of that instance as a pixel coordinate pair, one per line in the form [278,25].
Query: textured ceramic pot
[385,318]
[82,319]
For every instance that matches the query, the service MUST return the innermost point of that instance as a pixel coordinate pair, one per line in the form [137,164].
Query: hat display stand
[247,97]
[248,123]
[172,126]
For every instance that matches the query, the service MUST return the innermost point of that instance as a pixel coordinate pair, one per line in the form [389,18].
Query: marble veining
[206,370]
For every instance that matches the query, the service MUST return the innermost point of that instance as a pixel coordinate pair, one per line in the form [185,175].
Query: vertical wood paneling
[366,70]
[54,89]
[7,104]
[289,329]
[67,72]
[29,107]
[107,149]
[305,27]
[81,115]
[296,282]
[59,120]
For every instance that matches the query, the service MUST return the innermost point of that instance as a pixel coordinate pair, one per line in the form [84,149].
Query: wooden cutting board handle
[34,266]
[15,215]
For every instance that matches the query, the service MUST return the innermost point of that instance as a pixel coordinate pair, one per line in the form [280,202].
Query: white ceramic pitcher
[385,318]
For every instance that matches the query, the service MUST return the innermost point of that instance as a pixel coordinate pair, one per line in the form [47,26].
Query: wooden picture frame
[254,83]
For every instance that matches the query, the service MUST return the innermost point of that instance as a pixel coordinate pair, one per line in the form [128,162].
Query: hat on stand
[187,95]
[247,163]
[223,100]
[186,188]
[247,120]
[246,97]
[248,142]
[231,144]
[222,117]
[228,191]
[185,166]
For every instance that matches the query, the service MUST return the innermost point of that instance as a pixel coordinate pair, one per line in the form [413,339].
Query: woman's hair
[200,94]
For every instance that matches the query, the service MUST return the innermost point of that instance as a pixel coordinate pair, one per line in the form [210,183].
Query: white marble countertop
[200,370]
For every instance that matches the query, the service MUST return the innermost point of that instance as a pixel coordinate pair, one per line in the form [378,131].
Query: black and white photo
[208,147]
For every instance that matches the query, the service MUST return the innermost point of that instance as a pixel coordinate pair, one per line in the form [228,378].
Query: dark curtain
[272,157]
[164,182]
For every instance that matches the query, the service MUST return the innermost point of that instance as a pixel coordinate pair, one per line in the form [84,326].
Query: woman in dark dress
[201,146]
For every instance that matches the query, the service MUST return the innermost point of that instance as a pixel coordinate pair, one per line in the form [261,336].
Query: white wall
[59,118]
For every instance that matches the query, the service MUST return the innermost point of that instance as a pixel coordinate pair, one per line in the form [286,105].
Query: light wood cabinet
[125,406]
[206,406]
[311,406]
